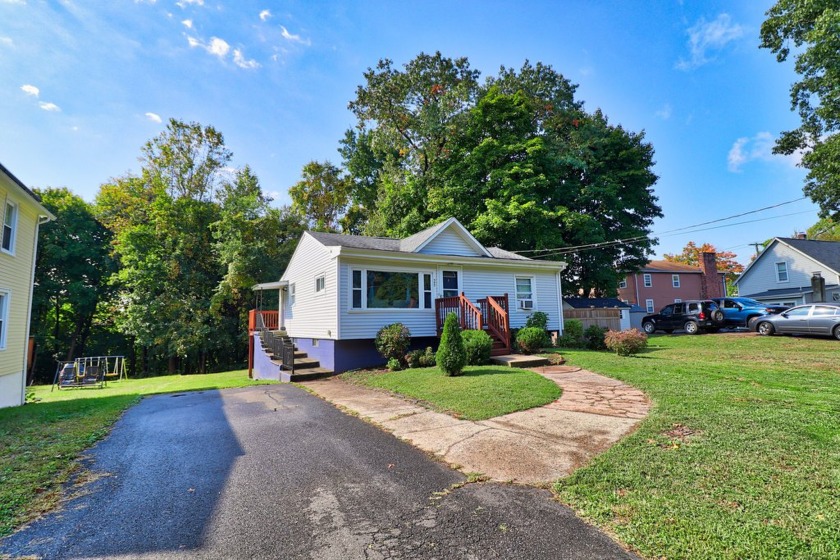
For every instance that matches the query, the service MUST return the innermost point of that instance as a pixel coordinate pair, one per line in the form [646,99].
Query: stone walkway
[535,446]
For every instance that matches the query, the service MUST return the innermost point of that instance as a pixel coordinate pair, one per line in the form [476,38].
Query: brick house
[663,282]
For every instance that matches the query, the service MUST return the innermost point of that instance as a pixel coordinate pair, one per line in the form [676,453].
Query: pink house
[663,282]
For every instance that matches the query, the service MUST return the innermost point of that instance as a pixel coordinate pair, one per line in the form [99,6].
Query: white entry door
[449,282]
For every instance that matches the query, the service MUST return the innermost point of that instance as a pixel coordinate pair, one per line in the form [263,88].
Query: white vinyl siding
[476,283]
[762,275]
[309,313]
[449,242]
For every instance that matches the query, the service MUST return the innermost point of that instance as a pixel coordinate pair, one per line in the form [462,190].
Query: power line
[553,251]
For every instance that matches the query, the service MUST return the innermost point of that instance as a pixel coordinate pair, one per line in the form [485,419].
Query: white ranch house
[339,290]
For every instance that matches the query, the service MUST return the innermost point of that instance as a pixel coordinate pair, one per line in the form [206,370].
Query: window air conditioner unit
[526,304]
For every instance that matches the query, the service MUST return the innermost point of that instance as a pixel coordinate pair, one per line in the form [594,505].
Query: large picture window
[381,289]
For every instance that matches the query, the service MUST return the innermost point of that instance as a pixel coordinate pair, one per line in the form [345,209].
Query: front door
[450,282]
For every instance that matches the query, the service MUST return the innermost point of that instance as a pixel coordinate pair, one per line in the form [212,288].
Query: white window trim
[323,278]
[647,280]
[675,280]
[292,294]
[649,306]
[4,316]
[13,227]
[677,300]
[420,291]
[787,273]
[622,284]
[533,299]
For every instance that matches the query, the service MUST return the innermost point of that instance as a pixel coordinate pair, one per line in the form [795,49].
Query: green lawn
[42,440]
[481,392]
[739,458]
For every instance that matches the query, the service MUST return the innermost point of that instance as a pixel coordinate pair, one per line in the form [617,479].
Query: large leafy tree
[811,30]
[517,160]
[321,197]
[724,260]
[70,277]
[825,229]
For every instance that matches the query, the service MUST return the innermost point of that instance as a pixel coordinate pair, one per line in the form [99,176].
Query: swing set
[90,371]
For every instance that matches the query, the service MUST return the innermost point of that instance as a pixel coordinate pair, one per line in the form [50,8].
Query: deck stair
[303,368]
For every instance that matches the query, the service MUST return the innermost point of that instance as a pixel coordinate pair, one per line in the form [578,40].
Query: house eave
[29,194]
[447,259]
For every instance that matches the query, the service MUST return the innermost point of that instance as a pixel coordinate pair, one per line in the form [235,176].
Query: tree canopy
[724,260]
[517,160]
[811,30]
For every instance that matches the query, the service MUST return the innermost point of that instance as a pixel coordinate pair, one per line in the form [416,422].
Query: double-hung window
[7,238]
[781,272]
[622,283]
[525,292]
[320,283]
[383,289]
[675,280]
[648,280]
[291,294]
[4,318]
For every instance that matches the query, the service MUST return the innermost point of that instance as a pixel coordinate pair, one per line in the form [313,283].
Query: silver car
[820,319]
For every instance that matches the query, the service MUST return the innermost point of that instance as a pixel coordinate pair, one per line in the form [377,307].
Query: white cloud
[217,47]
[19,2]
[184,3]
[665,112]
[52,107]
[29,89]
[187,23]
[265,14]
[154,117]
[293,38]
[705,38]
[242,62]
[7,42]
[757,148]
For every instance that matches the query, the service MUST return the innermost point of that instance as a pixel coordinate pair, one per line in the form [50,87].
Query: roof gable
[447,238]
[826,253]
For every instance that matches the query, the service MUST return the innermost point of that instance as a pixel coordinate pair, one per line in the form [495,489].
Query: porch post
[280,319]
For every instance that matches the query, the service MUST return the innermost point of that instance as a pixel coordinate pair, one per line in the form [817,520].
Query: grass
[739,458]
[42,440]
[481,392]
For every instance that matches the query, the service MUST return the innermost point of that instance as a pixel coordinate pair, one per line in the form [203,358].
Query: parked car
[820,319]
[739,311]
[694,317]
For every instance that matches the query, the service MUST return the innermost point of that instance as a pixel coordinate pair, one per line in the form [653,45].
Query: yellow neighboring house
[21,214]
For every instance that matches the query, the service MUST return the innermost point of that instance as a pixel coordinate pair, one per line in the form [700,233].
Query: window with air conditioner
[525,292]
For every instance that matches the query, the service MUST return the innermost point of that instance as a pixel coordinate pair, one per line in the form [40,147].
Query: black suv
[693,316]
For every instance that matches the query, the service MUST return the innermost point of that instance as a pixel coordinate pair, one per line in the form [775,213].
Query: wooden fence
[608,318]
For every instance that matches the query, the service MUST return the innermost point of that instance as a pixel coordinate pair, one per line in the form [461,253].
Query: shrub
[531,339]
[572,336]
[537,319]
[414,358]
[392,341]
[394,364]
[451,356]
[625,343]
[477,345]
[428,358]
[594,337]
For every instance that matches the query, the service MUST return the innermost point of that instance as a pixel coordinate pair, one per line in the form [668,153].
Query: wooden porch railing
[494,309]
[469,317]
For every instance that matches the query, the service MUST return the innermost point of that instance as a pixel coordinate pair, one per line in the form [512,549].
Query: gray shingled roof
[406,245]
[826,253]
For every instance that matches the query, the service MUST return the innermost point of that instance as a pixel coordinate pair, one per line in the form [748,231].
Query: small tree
[392,341]
[451,356]
[478,346]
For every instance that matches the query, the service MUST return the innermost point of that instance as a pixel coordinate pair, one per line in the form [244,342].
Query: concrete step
[519,360]
[308,374]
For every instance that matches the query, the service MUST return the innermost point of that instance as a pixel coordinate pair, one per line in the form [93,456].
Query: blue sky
[85,84]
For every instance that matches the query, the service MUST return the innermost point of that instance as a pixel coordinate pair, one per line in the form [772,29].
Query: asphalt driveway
[273,472]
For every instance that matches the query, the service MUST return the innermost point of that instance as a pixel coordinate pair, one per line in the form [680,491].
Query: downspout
[41,220]
[636,286]
[560,303]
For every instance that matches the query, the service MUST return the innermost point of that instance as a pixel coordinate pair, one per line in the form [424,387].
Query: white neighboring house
[792,271]
[339,290]
[21,214]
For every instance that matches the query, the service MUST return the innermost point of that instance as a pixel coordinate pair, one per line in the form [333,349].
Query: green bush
[394,364]
[572,336]
[428,358]
[594,337]
[414,358]
[477,345]
[537,319]
[392,341]
[451,356]
[531,339]
[626,343]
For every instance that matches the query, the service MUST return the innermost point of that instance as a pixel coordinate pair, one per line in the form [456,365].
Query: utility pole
[756,245]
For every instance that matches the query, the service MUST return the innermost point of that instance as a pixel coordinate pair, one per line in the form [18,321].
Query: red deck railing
[259,320]
[495,312]
[469,317]
[490,315]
